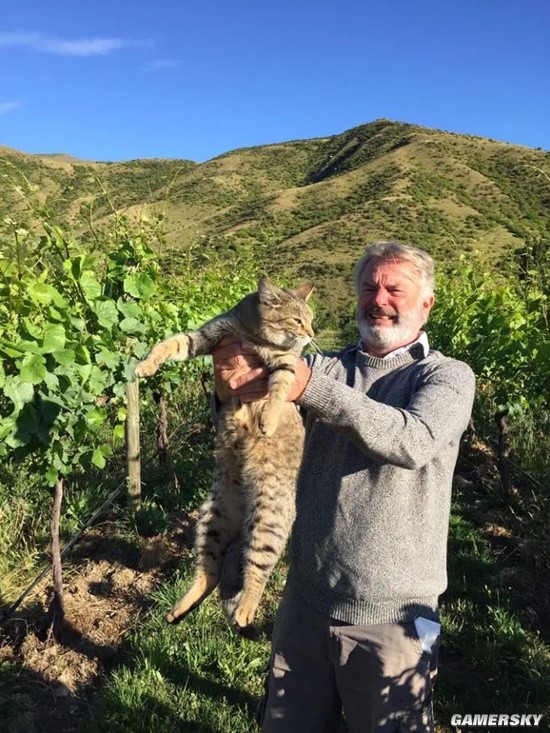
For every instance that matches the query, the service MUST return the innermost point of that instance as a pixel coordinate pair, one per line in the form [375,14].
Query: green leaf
[79,324]
[28,346]
[64,356]
[119,389]
[34,329]
[52,381]
[110,359]
[98,459]
[95,417]
[98,380]
[26,425]
[129,370]
[6,426]
[54,338]
[83,371]
[18,392]
[49,411]
[45,294]
[129,308]
[51,475]
[106,313]
[131,325]
[82,355]
[33,369]
[119,432]
[9,349]
[90,285]
[139,285]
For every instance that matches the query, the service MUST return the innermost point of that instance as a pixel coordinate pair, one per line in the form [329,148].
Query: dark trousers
[379,675]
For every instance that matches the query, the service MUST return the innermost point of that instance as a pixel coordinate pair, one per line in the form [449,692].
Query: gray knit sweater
[369,541]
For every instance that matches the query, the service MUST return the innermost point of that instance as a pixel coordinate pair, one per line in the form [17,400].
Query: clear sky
[123,79]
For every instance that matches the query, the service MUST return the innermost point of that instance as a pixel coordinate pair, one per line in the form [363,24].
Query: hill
[308,207]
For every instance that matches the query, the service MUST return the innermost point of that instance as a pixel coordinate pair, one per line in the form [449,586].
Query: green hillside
[308,207]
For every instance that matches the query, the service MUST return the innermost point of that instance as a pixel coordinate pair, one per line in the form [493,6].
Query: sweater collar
[416,350]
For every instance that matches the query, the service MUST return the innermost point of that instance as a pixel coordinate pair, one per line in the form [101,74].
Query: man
[358,627]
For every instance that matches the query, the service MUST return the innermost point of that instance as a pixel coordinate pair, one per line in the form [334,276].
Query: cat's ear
[305,290]
[267,292]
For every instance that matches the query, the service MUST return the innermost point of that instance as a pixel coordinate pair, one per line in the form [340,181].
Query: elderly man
[358,627]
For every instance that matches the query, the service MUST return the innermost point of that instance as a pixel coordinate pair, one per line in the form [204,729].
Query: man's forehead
[395,268]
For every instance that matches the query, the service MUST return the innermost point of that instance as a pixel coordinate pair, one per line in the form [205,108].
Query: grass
[196,676]
[491,659]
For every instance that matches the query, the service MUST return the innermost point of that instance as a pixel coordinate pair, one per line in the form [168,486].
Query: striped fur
[245,522]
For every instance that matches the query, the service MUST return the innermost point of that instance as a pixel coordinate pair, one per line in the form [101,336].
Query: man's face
[392,305]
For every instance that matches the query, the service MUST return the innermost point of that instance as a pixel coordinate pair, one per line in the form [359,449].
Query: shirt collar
[422,340]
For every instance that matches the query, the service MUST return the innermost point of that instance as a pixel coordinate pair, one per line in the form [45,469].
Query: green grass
[490,660]
[196,676]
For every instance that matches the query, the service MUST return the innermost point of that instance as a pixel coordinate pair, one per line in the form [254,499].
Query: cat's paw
[146,368]
[269,420]
[243,616]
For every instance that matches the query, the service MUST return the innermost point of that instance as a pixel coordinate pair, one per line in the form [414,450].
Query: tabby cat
[245,522]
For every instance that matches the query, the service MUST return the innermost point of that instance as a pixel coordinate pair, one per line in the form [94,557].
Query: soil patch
[46,685]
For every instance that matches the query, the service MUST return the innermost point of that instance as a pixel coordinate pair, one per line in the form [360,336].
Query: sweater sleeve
[437,413]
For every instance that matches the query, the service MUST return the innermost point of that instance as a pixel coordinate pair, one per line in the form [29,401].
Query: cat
[245,522]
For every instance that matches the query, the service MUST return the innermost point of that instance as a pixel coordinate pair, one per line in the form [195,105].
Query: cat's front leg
[175,348]
[280,382]
[184,346]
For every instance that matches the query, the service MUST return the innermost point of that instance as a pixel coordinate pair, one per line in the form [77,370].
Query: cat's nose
[310,332]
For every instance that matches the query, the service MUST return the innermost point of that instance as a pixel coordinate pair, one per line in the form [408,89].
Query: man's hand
[239,372]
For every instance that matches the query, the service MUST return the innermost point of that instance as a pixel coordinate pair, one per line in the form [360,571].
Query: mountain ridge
[308,207]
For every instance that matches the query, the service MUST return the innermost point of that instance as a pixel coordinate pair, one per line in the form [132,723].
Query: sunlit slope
[309,206]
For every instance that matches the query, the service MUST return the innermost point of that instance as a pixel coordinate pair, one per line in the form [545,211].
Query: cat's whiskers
[317,349]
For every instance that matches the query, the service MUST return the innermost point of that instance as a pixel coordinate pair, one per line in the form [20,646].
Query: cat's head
[285,317]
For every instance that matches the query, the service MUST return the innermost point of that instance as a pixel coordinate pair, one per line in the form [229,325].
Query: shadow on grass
[489,661]
[31,703]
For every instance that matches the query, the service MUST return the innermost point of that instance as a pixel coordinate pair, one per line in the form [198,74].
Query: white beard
[383,338]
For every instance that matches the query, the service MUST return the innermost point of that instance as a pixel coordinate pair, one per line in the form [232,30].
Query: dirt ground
[107,583]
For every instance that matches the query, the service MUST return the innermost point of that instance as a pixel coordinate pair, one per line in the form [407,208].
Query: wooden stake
[58,603]
[504,454]
[133,457]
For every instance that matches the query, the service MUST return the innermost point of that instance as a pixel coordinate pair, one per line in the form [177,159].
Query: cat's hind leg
[268,531]
[218,525]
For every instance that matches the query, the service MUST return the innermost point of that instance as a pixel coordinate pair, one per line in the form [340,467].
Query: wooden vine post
[504,453]
[133,457]
[57,608]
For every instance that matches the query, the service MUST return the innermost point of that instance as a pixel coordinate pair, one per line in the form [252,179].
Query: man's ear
[305,290]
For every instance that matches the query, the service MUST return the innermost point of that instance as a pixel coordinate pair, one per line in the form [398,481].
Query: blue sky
[120,80]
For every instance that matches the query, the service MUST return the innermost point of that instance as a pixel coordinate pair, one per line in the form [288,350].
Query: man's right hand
[238,371]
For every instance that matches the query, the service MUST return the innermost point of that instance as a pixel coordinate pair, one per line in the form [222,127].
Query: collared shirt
[422,340]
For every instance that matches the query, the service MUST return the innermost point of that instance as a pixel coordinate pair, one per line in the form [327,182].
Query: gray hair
[396,252]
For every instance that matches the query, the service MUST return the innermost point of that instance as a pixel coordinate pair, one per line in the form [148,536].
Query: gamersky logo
[496,720]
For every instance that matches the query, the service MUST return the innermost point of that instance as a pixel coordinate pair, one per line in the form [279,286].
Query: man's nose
[380,296]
